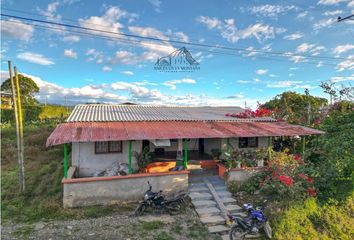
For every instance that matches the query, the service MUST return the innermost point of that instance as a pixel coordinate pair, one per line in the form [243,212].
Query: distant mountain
[179,57]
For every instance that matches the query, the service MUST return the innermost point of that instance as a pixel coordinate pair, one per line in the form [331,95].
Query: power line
[132,41]
[171,41]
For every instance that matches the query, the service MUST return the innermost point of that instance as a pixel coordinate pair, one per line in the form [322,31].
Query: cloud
[294,36]
[128,73]
[71,38]
[302,15]
[55,93]
[304,47]
[343,48]
[35,58]
[138,93]
[70,53]
[261,71]
[172,83]
[106,69]
[16,29]
[347,64]
[330,2]
[236,96]
[51,11]
[324,23]
[332,13]
[210,22]
[270,10]
[341,78]
[94,55]
[351,3]
[283,84]
[156,4]
[108,22]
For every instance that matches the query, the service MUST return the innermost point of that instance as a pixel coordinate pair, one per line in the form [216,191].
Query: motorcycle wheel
[237,233]
[173,208]
[140,210]
[267,230]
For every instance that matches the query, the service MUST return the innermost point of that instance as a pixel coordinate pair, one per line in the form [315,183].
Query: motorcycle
[156,201]
[251,224]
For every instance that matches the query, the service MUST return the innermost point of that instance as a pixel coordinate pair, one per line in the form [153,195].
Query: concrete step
[212,220]
[248,236]
[196,184]
[200,196]
[240,214]
[224,194]
[198,189]
[233,208]
[208,211]
[203,203]
[228,200]
[219,229]
[220,188]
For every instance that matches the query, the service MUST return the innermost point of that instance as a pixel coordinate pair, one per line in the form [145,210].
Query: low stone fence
[237,174]
[110,190]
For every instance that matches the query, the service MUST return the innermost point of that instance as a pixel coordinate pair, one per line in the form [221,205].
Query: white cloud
[347,64]
[294,36]
[16,29]
[94,55]
[106,69]
[283,84]
[261,71]
[304,47]
[332,13]
[71,38]
[324,23]
[302,15]
[351,4]
[341,78]
[243,81]
[172,83]
[70,53]
[237,96]
[51,11]
[270,10]
[210,22]
[138,92]
[34,58]
[128,73]
[156,4]
[108,22]
[343,48]
[330,2]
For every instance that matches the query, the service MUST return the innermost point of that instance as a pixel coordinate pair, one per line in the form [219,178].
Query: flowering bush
[259,112]
[284,177]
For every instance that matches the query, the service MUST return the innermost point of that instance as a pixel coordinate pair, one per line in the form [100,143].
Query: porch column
[185,155]
[180,145]
[303,146]
[130,170]
[65,160]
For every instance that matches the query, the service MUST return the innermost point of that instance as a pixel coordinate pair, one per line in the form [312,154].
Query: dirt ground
[152,226]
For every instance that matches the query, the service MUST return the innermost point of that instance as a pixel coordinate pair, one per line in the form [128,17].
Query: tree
[30,105]
[28,89]
[296,108]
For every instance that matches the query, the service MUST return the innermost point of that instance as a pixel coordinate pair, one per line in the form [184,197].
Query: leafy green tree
[296,108]
[28,89]
[30,105]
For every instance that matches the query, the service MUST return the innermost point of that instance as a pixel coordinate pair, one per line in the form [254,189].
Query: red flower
[303,176]
[309,180]
[288,181]
[311,192]
[297,157]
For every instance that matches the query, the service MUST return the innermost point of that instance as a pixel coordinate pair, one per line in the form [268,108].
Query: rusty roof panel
[109,131]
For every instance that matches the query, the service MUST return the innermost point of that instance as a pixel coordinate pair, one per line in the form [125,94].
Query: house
[101,135]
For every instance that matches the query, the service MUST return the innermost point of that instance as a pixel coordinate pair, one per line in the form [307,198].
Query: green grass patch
[24,231]
[163,236]
[153,225]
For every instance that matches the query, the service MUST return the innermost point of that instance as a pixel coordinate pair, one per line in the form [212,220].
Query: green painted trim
[65,160]
[303,143]
[130,155]
[185,155]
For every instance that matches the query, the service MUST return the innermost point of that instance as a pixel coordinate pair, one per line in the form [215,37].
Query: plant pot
[260,163]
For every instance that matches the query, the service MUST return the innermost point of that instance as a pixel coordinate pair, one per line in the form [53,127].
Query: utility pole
[15,102]
[20,120]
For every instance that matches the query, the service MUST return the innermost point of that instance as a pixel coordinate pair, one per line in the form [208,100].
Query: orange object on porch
[208,164]
[158,167]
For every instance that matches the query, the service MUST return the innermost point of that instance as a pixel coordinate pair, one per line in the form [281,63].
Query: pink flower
[288,181]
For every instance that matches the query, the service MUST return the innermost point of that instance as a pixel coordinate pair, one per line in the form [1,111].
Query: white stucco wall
[84,157]
[192,145]
[211,143]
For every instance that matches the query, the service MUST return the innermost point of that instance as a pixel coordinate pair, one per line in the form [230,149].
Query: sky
[273,46]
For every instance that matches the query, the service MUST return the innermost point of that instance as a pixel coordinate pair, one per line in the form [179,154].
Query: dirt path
[160,227]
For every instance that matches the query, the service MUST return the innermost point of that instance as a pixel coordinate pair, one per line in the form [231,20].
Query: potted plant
[261,155]
[143,158]
[216,153]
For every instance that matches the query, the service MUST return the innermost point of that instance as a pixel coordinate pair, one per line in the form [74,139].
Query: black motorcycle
[251,224]
[156,201]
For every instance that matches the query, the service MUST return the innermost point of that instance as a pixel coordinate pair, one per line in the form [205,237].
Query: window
[251,142]
[108,147]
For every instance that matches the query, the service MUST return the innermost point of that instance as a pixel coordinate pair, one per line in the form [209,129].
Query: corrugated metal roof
[116,131]
[129,113]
